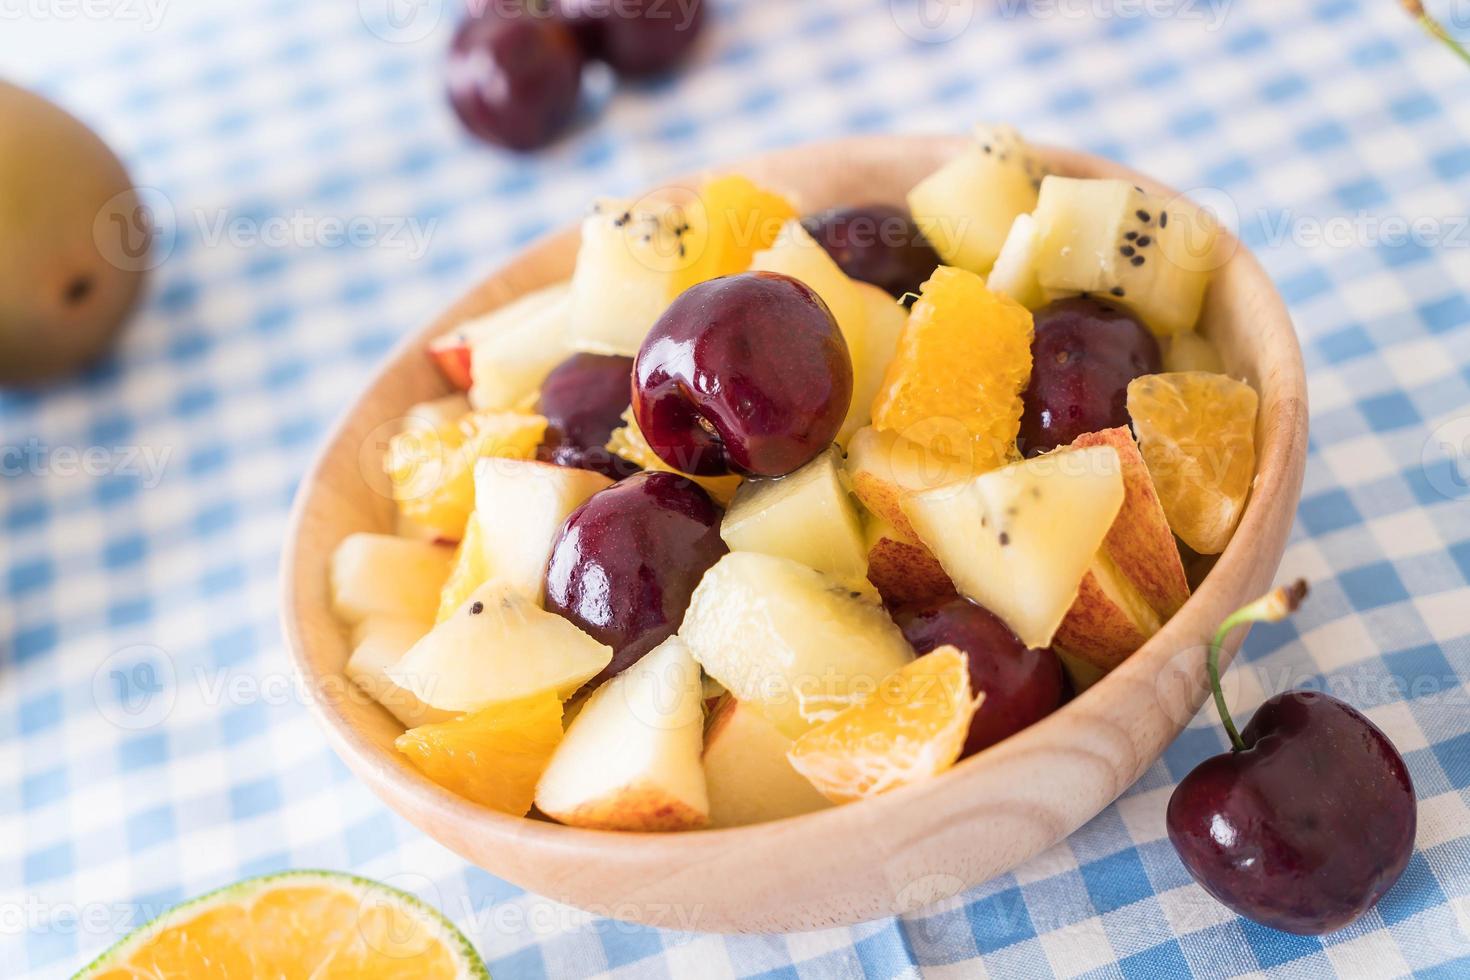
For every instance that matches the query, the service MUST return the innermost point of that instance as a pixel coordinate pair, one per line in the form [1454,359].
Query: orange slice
[319,924]
[963,360]
[732,219]
[493,756]
[432,469]
[912,728]
[1197,433]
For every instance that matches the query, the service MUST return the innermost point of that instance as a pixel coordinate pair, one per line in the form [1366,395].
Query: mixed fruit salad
[760,513]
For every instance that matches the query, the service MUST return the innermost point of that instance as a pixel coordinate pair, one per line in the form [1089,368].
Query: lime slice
[318,924]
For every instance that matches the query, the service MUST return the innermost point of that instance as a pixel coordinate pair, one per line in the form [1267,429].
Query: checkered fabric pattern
[152,745]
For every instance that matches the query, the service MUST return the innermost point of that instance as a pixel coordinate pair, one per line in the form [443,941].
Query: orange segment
[432,469]
[628,442]
[913,727]
[493,756]
[1197,433]
[963,360]
[315,924]
[732,219]
[469,571]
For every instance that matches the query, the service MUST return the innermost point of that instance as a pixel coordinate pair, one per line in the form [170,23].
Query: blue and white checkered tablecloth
[152,745]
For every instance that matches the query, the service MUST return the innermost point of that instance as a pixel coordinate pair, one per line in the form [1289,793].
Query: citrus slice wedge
[318,924]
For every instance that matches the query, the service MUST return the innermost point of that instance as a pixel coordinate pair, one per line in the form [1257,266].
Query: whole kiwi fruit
[73,241]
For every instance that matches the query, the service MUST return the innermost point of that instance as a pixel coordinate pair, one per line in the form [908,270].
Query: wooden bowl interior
[850,863]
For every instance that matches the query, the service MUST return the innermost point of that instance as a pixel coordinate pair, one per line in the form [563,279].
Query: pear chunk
[1019,539]
[792,642]
[631,758]
[750,780]
[808,516]
[498,646]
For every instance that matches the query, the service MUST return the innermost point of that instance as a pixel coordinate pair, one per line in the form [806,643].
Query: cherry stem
[1435,28]
[1272,607]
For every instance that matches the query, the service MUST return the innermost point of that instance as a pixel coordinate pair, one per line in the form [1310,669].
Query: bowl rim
[1280,461]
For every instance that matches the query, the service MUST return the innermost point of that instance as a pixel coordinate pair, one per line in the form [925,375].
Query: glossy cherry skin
[637,38]
[1305,829]
[583,400]
[514,77]
[625,563]
[1083,355]
[877,243]
[742,374]
[1021,686]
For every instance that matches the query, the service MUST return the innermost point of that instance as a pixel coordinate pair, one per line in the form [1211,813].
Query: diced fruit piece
[630,760]
[495,755]
[788,640]
[1108,620]
[470,571]
[1081,674]
[795,254]
[1014,272]
[624,564]
[513,349]
[1107,237]
[903,570]
[499,646]
[379,642]
[450,352]
[1188,351]
[628,443]
[808,517]
[385,575]
[1085,353]
[625,273]
[746,771]
[913,727]
[637,38]
[733,219]
[321,924]
[885,468]
[520,506]
[1021,686]
[514,78]
[876,243]
[1018,540]
[885,322]
[583,400]
[743,374]
[1197,433]
[967,207]
[1140,543]
[963,360]
[433,475]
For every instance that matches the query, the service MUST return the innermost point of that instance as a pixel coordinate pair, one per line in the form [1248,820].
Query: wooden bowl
[851,863]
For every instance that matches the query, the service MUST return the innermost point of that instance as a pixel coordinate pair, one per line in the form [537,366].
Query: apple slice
[903,570]
[885,322]
[503,356]
[1109,618]
[797,254]
[807,516]
[885,469]
[750,780]
[790,641]
[379,642]
[631,758]
[519,506]
[499,646]
[385,575]
[1140,543]
[1019,539]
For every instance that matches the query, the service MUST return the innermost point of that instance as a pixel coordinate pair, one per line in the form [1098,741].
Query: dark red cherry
[742,374]
[877,243]
[637,38]
[514,76]
[1021,686]
[1083,355]
[583,400]
[625,563]
[1305,828]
